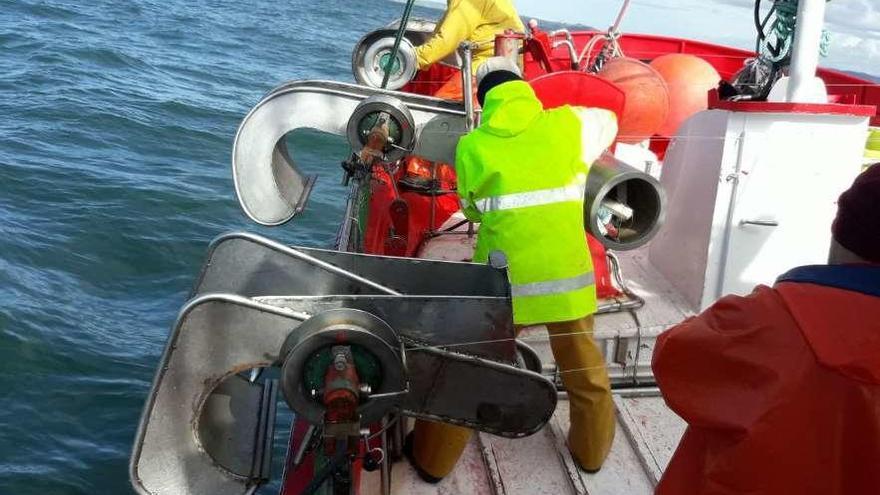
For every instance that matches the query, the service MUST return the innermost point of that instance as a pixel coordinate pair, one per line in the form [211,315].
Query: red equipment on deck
[689,80]
[647,98]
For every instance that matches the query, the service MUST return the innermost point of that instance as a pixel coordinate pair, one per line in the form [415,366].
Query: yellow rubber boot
[436,448]
[583,372]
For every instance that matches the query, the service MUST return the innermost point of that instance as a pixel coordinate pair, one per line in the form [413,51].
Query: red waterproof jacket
[780,389]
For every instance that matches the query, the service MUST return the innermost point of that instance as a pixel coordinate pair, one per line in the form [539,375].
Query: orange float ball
[689,79]
[647,99]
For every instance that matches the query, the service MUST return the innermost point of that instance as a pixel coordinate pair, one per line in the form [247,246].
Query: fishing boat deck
[647,431]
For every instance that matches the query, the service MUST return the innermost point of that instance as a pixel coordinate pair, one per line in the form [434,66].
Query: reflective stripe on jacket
[522,174]
[475,20]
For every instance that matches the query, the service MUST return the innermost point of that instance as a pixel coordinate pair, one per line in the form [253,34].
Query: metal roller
[371,53]
[370,112]
[635,199]
[369,63]
[375,346]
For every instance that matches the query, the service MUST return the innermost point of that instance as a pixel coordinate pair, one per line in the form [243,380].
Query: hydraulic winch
[359,340]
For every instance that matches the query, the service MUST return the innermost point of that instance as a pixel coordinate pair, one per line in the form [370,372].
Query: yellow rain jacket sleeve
[477,21]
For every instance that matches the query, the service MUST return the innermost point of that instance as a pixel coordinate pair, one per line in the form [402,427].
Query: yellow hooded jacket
[477,21]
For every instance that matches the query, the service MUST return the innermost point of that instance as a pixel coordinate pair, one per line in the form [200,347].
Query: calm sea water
[116,125]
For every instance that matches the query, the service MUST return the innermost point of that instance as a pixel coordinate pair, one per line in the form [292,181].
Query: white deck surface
[647,434]
[647,431]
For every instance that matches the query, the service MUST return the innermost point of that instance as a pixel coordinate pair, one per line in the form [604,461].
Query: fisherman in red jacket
[781,388]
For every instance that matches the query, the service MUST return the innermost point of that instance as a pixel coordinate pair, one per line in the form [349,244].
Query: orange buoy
[647,99]
[689,79]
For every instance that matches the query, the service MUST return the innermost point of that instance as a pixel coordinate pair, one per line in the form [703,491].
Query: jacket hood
[510,108]
[837,307]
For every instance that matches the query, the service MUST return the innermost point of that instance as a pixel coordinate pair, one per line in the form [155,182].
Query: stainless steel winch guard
[268,184]
[251,265]
[176,450]
[206,428]
[435,302]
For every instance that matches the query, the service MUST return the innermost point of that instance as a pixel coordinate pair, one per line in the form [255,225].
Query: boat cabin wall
[751,195]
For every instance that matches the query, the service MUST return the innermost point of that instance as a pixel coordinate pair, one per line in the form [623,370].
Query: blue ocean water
[116,126]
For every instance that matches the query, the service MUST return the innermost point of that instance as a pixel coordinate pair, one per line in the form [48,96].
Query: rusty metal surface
[460,356]
[528,466]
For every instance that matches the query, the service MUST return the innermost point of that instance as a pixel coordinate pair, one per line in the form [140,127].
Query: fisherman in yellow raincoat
[522,176]
[477,21]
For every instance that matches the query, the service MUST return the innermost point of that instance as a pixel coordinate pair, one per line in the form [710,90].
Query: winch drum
[342,327]
[401,125]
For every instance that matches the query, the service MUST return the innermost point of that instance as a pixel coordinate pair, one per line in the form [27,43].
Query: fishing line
[546,338]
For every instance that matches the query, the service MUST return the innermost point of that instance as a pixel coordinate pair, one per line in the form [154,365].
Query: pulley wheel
[369,65]
[374,344]
[401,125]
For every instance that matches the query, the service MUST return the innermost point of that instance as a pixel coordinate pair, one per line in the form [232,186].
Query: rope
[635,330]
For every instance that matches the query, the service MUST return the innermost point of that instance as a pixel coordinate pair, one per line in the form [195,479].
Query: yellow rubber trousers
[437,446]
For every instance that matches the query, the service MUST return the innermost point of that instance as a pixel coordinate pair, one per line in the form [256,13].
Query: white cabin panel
[793,168]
